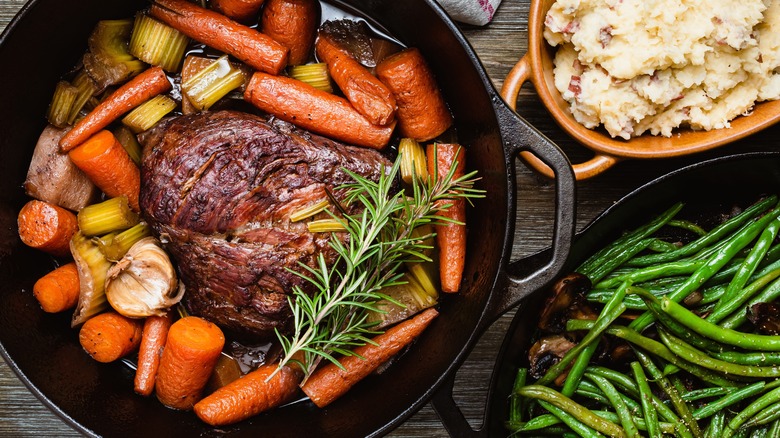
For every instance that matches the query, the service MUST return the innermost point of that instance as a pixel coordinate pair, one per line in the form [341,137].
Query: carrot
[59,289]
[190,354]
[47,227]
[450,237]
[107,164]
[242,11]
[136,91]
[331,382]
[248,396]
[110,336]
[213,29]
[365,92]
[155,333]
[293,23]
[422,113]
[318,111]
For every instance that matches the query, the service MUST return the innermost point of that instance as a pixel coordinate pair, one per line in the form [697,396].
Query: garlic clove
[143,282]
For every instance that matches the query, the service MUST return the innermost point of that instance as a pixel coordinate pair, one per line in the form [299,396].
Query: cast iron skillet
[722,181]
[48,37]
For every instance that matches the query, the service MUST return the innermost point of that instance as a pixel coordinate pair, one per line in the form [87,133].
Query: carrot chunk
[450,237]
[155,333]
[59,289]
[248,396]
[190,354]
[110,336]
[293,23]
[136,91]
[107,164]
[47,227]
[331,382]
[242,11]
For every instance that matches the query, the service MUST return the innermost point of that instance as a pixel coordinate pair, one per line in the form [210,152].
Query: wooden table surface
[499,45]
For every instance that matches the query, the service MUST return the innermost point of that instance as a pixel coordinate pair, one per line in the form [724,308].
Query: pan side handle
[518,135]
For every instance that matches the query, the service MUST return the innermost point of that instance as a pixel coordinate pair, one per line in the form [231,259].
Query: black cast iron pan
[48,37]
[708,186]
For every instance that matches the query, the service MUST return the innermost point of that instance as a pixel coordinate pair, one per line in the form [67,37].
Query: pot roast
[218,188]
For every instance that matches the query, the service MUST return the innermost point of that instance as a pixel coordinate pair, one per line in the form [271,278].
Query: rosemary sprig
[333,319]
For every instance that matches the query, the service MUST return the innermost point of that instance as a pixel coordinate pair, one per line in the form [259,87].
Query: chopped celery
[413,160]
[309,211]
[315,75]
[115,245]
[106,217]
[62,102]
[212,83]
[148,113]
[108,61]
[129,141]
[158,44]
[325,226]
[92,267]
[425,274]
[86,90]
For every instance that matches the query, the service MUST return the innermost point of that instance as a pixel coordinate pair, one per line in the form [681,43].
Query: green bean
[654,272]
[687,225]
[679,404]
[771,293]
[617,402]
[667,414]
[709,330]
[766,416]
[653,427]
[691,354]
[573,423]
[713,236]
[582,413]
[751,410]
[717,423]
[734,244]
[702,393]
[583,359]
[728,400]
[655,348]
[590,395]
[774,430]
[539,422]
[770,263]
[719,313]
[759,433]
[749,265]
[638,234]
[617,259]
[755,358]
[515,410]
[658,245]
[593,335]
[603,296]
[641,423]
[593,392]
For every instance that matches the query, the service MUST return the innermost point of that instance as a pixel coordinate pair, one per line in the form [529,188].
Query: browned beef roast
[219,189]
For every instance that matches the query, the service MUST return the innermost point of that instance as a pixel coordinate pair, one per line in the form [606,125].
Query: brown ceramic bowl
[537,67]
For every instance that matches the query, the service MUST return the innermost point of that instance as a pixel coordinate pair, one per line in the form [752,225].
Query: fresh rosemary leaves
[333,319]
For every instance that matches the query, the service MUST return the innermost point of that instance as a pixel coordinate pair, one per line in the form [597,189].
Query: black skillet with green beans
[671,330]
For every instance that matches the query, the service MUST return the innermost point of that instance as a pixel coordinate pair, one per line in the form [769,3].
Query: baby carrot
[213,29]
[293,23]
[242,11]
[191,351]
[47,227]
[136,91]
[153,338]
[110,336]
[248,396]
[107,164]
[331,382]
[59,289]
[450,236]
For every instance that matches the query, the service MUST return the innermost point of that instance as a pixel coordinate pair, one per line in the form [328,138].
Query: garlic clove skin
[143,282]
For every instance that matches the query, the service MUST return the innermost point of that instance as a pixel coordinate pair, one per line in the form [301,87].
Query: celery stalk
[108,61]
[129,141]
[413,161]
[315,75]
[115,245]
[309,211]
[86,90]
[325,226]
[62,102]
[212,83]
[158,44]
[108,216]
[148,113]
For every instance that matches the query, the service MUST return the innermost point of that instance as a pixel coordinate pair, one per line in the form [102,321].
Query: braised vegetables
[93,267]
[108,216]
[110,336]
[292,23]
[157,44]
[47,227]
[690,365]
[205,86]
[153,338]
[58,290]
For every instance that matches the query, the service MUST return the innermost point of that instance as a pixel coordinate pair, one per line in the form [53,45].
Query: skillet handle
[521,73]
[519,136]
[450,414]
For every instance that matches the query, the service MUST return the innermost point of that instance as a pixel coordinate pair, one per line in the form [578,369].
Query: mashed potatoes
[640,66]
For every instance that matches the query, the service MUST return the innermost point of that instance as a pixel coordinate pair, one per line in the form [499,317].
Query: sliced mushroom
[546,352]
[765,317]
[567,301]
